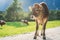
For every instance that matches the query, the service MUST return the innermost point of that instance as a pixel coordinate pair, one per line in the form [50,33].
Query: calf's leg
[43,28]
[36,33]
[43,31]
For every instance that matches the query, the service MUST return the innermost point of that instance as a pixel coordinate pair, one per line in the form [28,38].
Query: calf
[40,14]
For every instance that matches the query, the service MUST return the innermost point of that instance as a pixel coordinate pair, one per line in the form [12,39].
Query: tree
[2,15]
[13,11]
[58,14]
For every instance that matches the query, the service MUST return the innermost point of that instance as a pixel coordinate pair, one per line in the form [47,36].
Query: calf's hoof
[44,37]
[34,37]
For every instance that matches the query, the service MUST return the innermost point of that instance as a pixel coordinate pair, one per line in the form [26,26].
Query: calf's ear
[30,8]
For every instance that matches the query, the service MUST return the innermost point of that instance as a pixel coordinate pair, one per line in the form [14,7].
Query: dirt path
[51,34]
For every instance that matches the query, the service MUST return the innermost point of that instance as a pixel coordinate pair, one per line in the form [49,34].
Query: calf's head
[36,10]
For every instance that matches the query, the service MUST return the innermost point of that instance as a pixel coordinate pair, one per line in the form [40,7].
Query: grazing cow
[25,21]
[40,14]
[2,22]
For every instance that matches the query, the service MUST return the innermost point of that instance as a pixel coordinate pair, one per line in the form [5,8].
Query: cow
[40,14]
[2,22]
[25,21]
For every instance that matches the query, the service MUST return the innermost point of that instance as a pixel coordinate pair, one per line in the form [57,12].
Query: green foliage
[13,11]
[58,14]
[11,15]
[2,15]
[12,28]
[54,14]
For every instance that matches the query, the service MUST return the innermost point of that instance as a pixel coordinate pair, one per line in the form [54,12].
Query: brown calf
[40,14]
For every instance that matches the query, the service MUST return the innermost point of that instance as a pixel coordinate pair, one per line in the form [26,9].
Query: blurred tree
[2,15]
[54,15]
[13,11]
[58,15]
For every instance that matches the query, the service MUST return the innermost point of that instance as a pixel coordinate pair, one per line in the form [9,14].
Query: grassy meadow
[12,28]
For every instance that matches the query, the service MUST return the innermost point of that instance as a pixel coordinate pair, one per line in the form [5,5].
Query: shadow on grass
[16,24]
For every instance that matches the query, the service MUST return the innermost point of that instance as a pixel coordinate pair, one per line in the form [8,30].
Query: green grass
[12,28]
